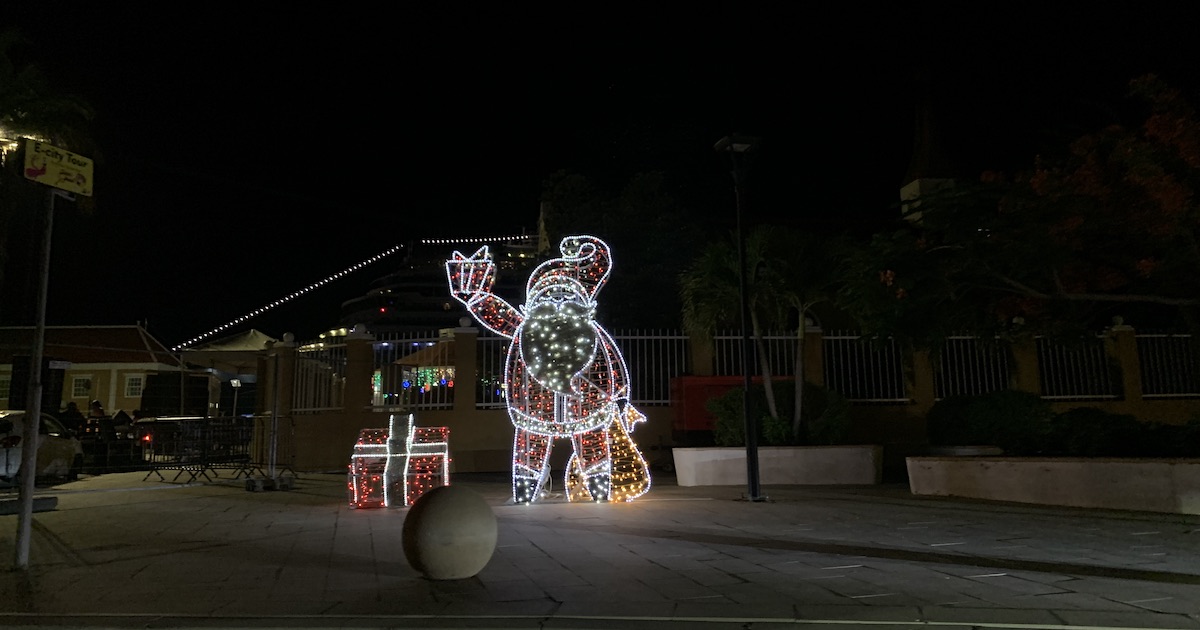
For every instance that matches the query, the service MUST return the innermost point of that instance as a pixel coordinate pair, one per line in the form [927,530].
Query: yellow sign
[50,165]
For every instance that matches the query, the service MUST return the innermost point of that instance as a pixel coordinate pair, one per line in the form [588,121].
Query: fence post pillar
[276,370]
[924,391]
[360,370]
[1121,344]
[702,355]
[465,350]
[814,356]
[1025,366]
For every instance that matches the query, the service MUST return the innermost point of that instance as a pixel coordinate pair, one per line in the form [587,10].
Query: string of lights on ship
[333,277]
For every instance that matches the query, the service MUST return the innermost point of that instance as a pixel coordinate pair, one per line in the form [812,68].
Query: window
[5,384]
[81,387]
[134,384]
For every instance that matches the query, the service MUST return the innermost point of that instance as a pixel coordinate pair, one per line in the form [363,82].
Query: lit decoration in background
[368,463]
[10,140]
[564,375]
[424,378]
[284,300]
[498,239]
[387,470]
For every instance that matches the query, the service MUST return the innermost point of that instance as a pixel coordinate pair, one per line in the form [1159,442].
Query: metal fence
[416,371]
[320,378]
[654,358]
[727,354]
[969,366]
[1168,365]
[196,446]
[490,355]
[1076,371]
[864,369]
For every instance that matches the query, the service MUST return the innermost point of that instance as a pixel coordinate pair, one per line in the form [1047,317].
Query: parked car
[60,453]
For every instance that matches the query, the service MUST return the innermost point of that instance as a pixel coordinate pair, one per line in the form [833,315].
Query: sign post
[58,168]
[65,173]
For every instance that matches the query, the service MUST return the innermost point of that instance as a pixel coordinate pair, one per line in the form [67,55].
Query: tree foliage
[788,272]
[30,106]
[648,230]
[710,289]
[1109,226]
[829,414]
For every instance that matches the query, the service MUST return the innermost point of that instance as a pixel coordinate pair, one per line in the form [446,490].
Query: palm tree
[804,271]
[30,108]
[711,296]
[789,272]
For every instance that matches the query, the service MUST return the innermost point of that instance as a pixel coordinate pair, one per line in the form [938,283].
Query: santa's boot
[600,487]
[526,489]
[528,484]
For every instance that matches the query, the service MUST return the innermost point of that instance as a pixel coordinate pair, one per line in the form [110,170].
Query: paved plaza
[123,551]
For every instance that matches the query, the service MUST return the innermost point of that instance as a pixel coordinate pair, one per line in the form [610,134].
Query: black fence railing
[196,447]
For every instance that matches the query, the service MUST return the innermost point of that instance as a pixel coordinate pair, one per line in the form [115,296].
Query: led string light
[630,472]
[395,466]
[284,300]
[564,375]
[490,239]
[368,465]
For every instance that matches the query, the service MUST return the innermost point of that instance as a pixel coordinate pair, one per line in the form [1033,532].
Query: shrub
[728,430]
[827,414]
[1091,432]
[1024,424]
[1018,422]
[946,424]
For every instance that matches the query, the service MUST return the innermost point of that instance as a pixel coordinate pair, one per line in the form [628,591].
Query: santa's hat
[578,274]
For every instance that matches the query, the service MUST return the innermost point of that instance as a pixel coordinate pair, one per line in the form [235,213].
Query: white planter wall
[1149,485]
[780,465]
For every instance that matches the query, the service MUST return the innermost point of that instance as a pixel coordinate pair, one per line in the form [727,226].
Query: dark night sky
[245,154]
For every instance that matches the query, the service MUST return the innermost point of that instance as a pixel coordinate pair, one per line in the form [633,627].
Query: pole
[273,452]
[33,402]
[754,491]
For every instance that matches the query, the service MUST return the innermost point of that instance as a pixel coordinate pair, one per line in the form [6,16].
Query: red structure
[389,472]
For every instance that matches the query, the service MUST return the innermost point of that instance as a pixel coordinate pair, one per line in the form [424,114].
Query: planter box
[1148,485]
[780,465]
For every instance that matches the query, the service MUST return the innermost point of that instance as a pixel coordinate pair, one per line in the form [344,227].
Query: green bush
[1023,424]
[1018,422]
[728,430]
[1181,440]
[826,412]
[946,422]
[1091,432]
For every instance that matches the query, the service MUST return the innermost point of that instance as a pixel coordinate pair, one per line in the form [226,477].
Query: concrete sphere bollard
[449,533]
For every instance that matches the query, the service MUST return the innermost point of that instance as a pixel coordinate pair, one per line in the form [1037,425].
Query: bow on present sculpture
[564,375]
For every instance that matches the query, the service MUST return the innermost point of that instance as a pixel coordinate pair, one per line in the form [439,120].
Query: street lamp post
[236,384]
[737,146]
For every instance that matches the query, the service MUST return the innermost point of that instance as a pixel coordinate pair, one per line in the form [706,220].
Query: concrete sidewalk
[119,551]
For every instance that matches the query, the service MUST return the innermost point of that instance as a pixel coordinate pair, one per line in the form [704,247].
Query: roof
[87,344]
[438,354]
[250,340]
[235,354]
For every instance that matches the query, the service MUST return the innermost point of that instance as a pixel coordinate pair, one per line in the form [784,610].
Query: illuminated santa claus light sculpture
[564,375]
